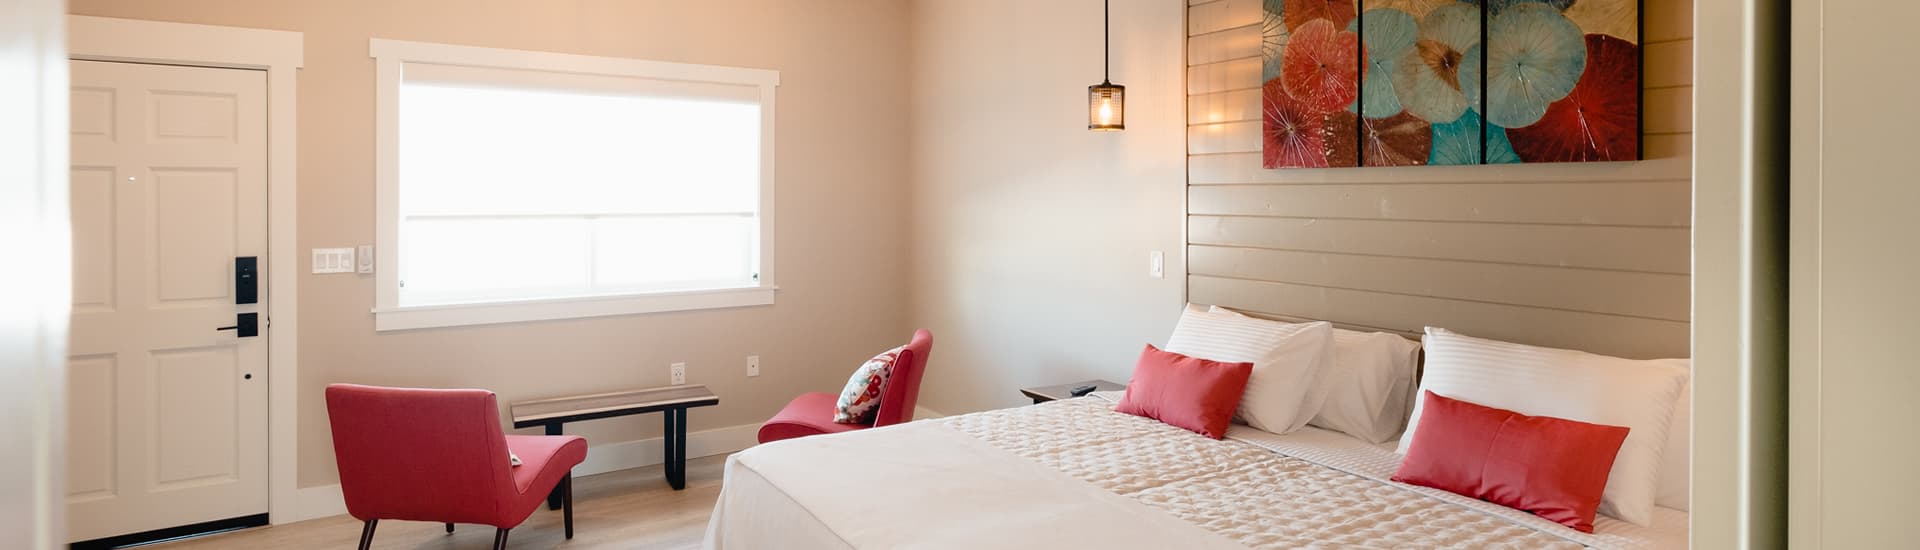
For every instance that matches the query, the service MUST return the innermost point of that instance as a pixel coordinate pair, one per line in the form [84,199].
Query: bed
[1076,474]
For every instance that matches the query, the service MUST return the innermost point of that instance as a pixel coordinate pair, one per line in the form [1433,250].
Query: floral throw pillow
[860,400]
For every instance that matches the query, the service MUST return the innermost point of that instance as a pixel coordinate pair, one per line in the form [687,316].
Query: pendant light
[1106,101]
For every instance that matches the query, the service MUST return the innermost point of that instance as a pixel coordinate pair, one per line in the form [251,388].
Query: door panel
[90,420]
[193,394]
[91,112]
[191,116]
[193,234]
[93,222]
[168,415]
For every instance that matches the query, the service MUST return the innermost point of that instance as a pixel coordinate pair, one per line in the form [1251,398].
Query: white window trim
[388,57]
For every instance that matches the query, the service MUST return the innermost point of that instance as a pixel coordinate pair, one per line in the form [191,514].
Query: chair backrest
[902,392]
[419,454]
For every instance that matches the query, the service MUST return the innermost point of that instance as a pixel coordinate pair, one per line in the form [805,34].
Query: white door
[167,416]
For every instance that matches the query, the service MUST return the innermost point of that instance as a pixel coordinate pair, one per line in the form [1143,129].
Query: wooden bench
[673,402]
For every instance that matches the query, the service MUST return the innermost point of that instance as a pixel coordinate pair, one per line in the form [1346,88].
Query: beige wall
[1585,256]
[1852,374]
[1031,234]
[841,182]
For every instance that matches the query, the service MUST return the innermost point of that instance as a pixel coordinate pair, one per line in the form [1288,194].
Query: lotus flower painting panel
[1310,84]
[1415,82]
[1563,79]
[1421,73]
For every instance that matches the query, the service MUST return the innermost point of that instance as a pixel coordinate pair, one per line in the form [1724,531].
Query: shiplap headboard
[1586,256]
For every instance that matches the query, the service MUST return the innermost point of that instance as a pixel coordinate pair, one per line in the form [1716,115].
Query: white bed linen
[925,485]
[995,480]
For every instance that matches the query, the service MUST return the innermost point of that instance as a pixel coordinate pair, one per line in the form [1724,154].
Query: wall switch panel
[365,263]
[333,260]
[1156,265]
[678,372]
[753,366]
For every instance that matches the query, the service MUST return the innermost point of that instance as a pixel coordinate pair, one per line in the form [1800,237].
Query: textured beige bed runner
[1237,490]
[994,480]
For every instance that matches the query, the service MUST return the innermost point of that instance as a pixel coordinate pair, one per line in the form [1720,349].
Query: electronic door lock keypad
[246,280]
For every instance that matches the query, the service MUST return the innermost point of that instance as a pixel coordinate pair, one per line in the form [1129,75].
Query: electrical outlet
[753,366]
[679,373]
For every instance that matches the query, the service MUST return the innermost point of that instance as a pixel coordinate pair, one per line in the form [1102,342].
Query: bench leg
[553,497]
[675,435]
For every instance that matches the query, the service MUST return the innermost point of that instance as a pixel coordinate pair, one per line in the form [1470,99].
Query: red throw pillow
[1551,467]
[1189,392]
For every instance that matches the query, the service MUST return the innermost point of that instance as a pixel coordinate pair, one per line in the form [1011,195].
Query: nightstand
[1044,394]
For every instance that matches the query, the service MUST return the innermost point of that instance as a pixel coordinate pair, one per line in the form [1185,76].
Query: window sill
[417,317]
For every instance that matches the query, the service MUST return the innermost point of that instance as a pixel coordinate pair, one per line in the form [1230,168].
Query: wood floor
[625,509]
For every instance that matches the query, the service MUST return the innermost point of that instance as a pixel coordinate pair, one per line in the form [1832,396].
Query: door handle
[246,325]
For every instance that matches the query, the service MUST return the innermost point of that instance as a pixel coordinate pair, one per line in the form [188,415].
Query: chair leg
[500,539]
[566,503]
[449,528]
[366,534]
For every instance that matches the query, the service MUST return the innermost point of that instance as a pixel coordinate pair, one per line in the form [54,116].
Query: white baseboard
[326,500]
[315,502]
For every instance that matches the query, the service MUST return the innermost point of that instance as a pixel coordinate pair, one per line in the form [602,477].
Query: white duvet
[1075,474]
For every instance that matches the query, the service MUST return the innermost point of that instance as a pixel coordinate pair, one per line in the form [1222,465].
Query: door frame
[1741,333]
[280,54]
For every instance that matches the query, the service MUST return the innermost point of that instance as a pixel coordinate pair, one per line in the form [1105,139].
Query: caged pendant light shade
[1106,101]
[1106,107]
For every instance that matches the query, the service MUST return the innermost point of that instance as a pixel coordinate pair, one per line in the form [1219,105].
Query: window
[521,186]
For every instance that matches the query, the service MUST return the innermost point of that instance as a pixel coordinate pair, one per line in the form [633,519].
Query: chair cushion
[860,399]
[808,414]
[541,455]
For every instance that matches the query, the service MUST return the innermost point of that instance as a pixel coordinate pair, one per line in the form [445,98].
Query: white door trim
[280,54]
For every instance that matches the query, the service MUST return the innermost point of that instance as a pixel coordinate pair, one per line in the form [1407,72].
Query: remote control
[1080,391]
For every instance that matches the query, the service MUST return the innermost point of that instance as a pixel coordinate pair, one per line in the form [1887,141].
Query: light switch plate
[365,263]
[1156,265]
[333,260]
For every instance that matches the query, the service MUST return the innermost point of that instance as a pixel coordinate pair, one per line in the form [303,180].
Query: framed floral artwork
[1443,82]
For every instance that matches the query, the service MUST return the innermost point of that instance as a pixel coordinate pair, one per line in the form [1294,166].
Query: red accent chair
[812,413]
[440,455]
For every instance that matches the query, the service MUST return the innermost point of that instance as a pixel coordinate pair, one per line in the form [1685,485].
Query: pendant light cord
[1106,36]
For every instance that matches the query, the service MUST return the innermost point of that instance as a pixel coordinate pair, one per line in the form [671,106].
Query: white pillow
[1367,383]
[1286,357]
[1574,385]
[1674,465]
[1374,400]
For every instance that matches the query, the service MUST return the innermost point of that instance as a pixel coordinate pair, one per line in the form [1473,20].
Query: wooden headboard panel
[1593,257]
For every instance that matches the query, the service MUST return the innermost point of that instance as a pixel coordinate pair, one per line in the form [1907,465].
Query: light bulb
[1106,110]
